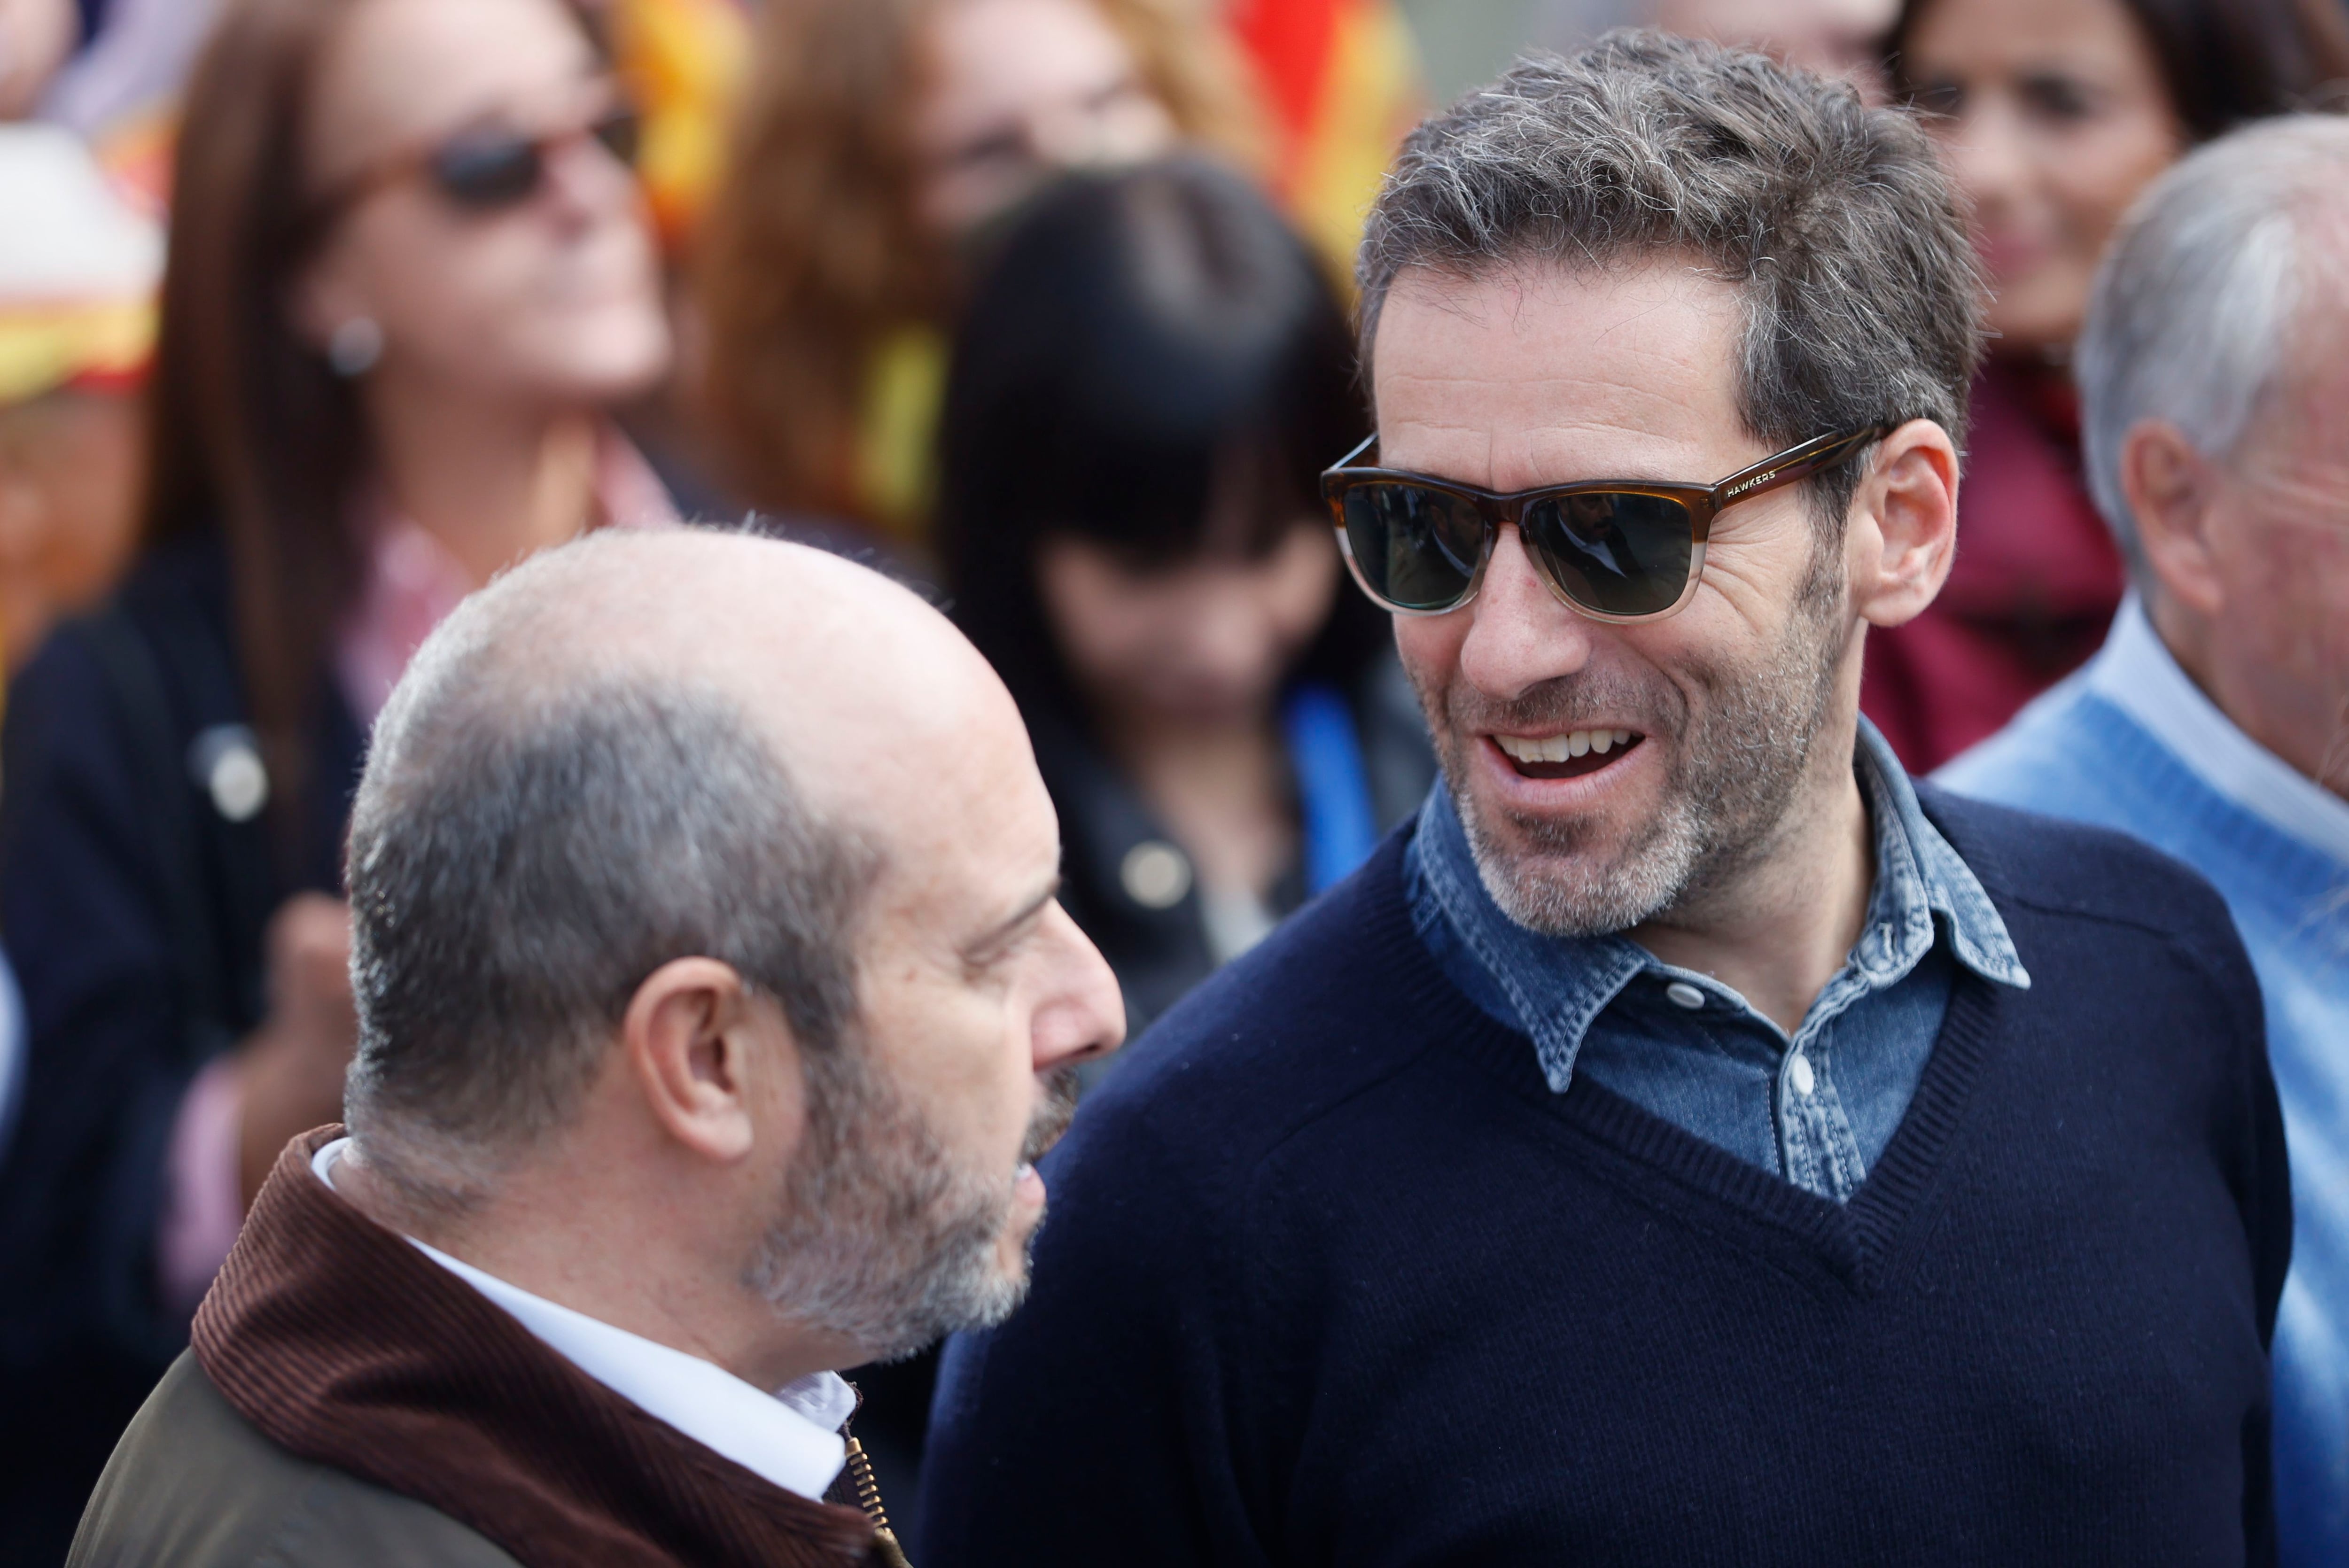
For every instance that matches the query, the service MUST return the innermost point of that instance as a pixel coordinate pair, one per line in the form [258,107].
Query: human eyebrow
[989,943]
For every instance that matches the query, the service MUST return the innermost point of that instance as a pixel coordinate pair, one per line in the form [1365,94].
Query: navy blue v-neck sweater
[1332,1276]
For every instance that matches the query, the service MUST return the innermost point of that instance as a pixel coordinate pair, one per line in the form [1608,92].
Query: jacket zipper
[868,1498]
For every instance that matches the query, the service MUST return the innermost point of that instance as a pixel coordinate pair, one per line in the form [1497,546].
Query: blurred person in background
[1150,376]
[1843,38]
[77,272]
[409,270]
[2053,114]
[877,140]
[2214,375]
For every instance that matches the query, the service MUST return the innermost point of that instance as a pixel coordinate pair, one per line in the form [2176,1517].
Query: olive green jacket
[193,1484]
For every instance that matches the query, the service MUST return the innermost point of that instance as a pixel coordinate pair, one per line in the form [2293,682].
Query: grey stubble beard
[882,1240]
[1736,773]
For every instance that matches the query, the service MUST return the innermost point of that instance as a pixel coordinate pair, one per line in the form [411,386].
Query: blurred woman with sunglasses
[2053,114]
[878,141]
[409,271]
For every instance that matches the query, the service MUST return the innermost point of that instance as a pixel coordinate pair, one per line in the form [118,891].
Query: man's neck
[1783,926]
[577,1254]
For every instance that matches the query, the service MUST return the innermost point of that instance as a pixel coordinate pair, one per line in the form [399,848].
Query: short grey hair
[536,832]
[2190,320]
[1833,220]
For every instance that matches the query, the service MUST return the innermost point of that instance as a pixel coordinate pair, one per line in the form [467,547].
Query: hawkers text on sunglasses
[1615,550]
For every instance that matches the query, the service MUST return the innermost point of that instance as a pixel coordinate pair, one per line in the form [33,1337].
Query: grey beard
[1736,776]
[884,1241]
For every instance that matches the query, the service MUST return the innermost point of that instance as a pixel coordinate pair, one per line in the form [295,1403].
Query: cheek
[2298,577]
[953,1052]
[2094,175]
[1429,647]
[510,301]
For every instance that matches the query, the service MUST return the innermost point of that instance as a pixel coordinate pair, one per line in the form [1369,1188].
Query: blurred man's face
[1536,376]
[1016,91]
[71,469]
[1833,38]
[915,1197]
[1204,641]
[2280,538]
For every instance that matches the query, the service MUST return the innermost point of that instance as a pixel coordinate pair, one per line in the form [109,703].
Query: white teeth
[1560,748]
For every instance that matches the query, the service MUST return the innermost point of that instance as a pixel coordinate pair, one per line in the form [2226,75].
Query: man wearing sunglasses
[1691,1143]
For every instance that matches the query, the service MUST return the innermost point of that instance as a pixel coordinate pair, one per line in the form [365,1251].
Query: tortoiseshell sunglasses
[1616,550]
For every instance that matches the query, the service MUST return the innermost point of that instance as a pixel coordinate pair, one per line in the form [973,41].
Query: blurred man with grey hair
[713,1003]
[2214,375]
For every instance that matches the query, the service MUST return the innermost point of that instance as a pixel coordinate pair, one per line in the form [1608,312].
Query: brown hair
[2222,61]
[813,251]
[252,439]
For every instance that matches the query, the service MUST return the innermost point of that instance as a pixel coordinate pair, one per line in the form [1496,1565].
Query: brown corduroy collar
[346,1345]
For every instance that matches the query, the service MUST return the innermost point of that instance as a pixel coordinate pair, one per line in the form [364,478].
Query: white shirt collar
[791,1438]
[2137,674]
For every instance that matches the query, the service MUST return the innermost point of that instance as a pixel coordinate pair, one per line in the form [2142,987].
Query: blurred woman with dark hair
[409,270]
[1152,375]
[877,142]
[2053,114]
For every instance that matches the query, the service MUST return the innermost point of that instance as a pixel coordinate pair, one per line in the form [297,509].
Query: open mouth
[1569,755]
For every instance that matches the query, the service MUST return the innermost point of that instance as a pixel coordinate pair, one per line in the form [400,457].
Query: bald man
[714,1004]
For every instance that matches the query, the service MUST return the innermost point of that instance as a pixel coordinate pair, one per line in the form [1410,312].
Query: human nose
[1082,1013]
[1989,155]
[1520,635]
[586,178]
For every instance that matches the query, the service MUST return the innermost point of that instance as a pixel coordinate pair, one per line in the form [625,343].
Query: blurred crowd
[317,315]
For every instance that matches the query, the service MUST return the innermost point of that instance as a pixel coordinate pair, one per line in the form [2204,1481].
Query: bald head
[640,746]
[837,666]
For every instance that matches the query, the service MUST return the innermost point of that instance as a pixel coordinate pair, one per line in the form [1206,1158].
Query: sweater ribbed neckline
[1860,1241]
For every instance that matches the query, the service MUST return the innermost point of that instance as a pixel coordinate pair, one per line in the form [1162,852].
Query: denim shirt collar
[1559,985]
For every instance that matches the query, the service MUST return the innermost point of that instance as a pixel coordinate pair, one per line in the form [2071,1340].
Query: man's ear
[1904,524]
[715,1062]
[2169,488]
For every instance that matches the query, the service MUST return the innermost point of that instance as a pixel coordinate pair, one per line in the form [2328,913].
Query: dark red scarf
[346,1345]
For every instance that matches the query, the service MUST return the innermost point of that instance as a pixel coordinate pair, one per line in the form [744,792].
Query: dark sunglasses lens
[1416,547]
[1613,551]
[487,171]
[622,134]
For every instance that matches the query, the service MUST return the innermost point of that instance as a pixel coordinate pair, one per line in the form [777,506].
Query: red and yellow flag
[1341,83]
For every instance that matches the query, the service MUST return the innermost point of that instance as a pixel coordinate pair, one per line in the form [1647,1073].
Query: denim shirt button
[1684,994]
[1799,1073]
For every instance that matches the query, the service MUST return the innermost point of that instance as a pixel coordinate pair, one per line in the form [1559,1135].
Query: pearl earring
[354,347]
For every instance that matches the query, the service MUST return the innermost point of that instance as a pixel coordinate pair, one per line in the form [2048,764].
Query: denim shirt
[1817,1107]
